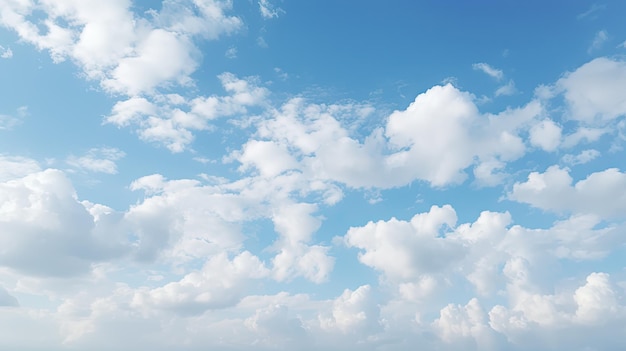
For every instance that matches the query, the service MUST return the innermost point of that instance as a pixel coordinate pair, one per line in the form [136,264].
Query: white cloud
[13,167]
[404,250]
[172,122]
[49,231]
[599,39]
[268,10]
[231,53]
[507,89]
[593,91]
[116,47]
[583,157]
[592,12]
[161,57]
[546,135]
[353,312]
[99,160]
[8,122]
[596,300]
[601,193]
[220,283]
[5,53]
[435,139]
[495,73]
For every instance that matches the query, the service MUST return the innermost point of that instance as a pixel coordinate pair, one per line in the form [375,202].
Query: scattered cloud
[495,73]
[583,157]
[98,160]
[507,89]
[268,10]
[592,12]
[8,122]
[599,39]
[5,53]
[231,53]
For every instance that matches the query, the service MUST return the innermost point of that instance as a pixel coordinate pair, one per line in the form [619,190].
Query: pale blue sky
[338,174]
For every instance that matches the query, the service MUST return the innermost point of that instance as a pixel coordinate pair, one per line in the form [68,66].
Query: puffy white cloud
[100,160]
[171,119]
[220,283]
[353,312]
[601,193]
[456,323]
[127,53]
[161,57]
[404,250]
[593,91]
[435,139]
[596,301]
[46,231]
[546,135]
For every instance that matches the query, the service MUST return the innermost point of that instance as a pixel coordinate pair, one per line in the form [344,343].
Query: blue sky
[267,174]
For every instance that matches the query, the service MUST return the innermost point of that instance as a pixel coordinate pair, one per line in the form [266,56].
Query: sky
[289,174]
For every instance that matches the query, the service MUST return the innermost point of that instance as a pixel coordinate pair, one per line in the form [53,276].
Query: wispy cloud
[8,122]
[599,40]
[489,70]
[5,53]
[268,10]
[99,160]
[592,13]
[507,89]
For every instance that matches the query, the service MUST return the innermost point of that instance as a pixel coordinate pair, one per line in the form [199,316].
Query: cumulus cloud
[220,283]
[545,135]
[435,139]
[49,232]
[121,50]
[593,91]
[601,193]
[171,119]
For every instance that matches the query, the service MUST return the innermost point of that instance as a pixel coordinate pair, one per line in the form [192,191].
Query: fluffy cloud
[123,51]
[46,231]
[220,283]
[546,135]
[435,139]
[171,119]
[404,250]
[593,91]
[601,193]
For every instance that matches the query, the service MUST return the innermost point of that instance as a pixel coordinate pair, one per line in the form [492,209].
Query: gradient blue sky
[340,175]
